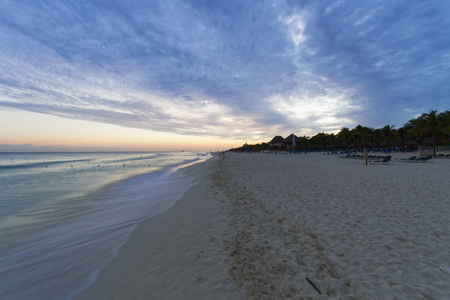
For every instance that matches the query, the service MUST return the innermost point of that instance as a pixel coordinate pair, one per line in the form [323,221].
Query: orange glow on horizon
[22,127]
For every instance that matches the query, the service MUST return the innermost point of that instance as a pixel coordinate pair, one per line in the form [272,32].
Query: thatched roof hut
[290,138]
[277,140]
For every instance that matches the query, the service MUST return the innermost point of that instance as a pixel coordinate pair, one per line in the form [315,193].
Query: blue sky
[221,71]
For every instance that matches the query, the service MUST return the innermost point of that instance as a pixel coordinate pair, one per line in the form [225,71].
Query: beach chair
[412,158]
[423,159]
[386,160]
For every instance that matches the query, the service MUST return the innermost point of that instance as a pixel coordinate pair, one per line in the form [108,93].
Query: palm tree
[387,131]
[344,135]
[444,120]
[377,138]
[428,123]
[402,133]
[366,135]
[356,137]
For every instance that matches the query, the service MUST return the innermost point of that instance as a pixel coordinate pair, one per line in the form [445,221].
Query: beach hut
[290,141]
[277,143]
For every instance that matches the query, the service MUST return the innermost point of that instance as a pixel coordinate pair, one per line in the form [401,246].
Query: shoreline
[267,226]
[175,254]
[65,222]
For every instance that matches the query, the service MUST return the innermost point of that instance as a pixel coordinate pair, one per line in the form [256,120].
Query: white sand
[257,225]
[178,254]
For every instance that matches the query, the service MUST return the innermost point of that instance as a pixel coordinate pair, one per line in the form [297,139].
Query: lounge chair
[384,161]
[424,158]
[411,159]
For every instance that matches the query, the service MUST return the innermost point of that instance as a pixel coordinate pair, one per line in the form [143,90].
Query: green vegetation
[429,129]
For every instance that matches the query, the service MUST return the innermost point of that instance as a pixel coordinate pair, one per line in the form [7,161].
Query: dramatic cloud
[232,69]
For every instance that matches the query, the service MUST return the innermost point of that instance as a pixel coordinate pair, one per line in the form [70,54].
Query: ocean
[64,216]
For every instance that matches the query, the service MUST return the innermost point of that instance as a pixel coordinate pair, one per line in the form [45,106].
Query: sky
[214,74]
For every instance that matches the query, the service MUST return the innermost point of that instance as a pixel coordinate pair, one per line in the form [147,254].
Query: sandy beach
[269,226]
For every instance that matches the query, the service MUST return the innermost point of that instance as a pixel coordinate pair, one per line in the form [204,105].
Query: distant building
[280,143]
[289,141]
[277,143]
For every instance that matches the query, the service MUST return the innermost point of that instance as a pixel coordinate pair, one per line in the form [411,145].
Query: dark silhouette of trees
[344,138]
[427,129]
[430,125]
[388,135]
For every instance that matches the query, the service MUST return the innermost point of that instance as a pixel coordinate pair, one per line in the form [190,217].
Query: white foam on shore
[62,260]
[178,254]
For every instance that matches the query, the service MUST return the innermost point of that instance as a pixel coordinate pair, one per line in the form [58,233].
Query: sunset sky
[211,75]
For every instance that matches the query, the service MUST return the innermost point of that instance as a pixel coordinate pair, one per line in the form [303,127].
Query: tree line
[428,129]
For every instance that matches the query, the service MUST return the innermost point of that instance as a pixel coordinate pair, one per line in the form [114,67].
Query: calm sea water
[64,216]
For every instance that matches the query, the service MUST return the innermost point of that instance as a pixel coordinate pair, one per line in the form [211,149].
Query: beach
[291,226]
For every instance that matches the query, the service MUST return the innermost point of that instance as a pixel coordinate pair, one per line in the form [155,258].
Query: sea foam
[74,217]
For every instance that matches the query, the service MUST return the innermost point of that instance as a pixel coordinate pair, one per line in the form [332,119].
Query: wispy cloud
[243,69]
